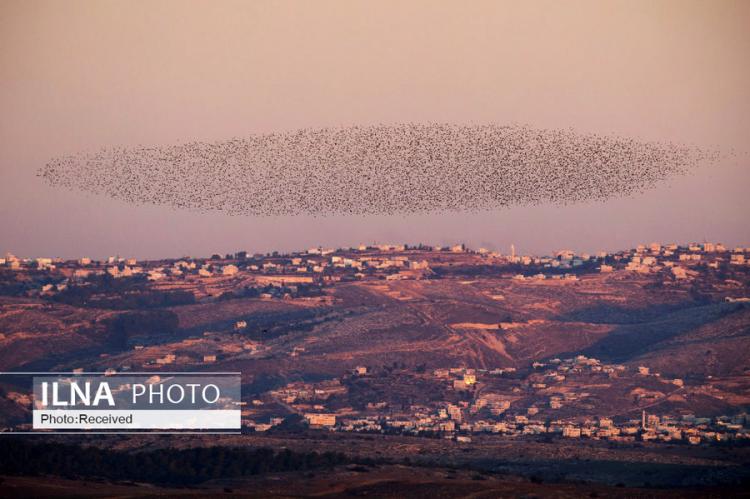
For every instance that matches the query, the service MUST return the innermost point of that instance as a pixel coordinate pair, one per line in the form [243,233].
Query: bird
[383,169]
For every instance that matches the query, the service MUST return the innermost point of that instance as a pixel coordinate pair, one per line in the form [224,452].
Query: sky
[83,75]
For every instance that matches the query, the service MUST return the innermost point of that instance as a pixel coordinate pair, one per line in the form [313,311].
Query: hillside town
[149,314]
[278,275]
[510,413]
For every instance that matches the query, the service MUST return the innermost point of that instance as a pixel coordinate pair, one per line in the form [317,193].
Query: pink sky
[84,75]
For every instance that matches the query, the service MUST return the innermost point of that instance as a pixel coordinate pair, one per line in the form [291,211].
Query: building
[167,359]
[459,384]
[318,419]
[679,273]
[454,412]
[571,432]
[737,259]
[605,423]
[229,270]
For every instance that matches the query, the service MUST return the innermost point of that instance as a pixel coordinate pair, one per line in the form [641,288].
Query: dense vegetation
[127,327]
[15,283]
[162,466]
[105,291]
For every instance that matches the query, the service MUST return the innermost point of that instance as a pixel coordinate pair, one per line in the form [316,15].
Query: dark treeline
[15,283]
[162,466]
[141,299]
[87,297]
[127,327]
[307,290]
[526,270]
[124,293]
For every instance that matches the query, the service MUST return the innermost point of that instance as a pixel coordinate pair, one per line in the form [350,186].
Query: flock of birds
[377,170]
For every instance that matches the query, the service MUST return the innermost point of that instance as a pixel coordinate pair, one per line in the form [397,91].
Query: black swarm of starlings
[375,170]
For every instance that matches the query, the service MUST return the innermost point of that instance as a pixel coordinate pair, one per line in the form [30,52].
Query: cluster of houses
[388,261]
[448,422]
[683,262]
[490,413]
[304,395]
[557,369]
